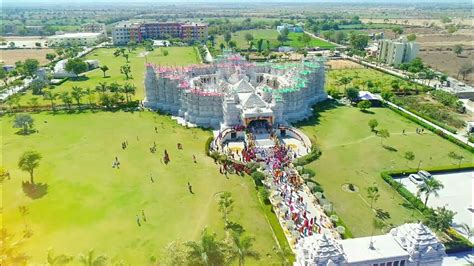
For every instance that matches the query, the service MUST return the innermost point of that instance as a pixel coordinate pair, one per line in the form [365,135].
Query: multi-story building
[76,38]
[395,52]
[94,27]
[127,31]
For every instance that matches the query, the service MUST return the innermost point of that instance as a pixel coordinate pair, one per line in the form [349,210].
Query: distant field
[9,57]
[271,35]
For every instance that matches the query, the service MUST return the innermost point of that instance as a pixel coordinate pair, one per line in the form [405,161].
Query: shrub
[208,145]
[258,177]
[264,194]
[457,242]
[308,158]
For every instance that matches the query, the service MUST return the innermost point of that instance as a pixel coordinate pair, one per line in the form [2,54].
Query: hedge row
[208,145]
[458,243]
[308,158]
[437,131]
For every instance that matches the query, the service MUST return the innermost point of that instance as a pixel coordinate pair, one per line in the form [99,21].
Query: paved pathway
[460,138]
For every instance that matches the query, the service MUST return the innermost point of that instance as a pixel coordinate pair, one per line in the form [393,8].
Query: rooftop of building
[123,24]
[384,247]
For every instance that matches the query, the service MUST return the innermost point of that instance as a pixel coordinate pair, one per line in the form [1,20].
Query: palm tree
[59,259]
[241,248]
[207,251]
[48,95]
[129,89]
[28,161]
[104,69]
[102,87]
[91,260]
[373,194]
[344,81]
[66,98]
[225,205]
[468,230]
[77,94]
[90,96]
[430,186]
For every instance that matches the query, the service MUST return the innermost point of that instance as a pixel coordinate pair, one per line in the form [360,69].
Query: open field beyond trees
[178,56]
[272,35]
[10,56]
[89,204]
[351,153]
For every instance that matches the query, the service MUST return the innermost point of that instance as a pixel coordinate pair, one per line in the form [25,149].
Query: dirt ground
[422,22]
[448,62]
[9,57]
[342,64]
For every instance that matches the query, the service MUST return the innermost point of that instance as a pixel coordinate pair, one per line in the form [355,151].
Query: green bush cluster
[258,177]
[439,132]
[208,145]
[457,242]
[308,158]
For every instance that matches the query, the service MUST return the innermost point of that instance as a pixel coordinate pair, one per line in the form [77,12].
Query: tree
[50,57]
[465,69]
[212,39]
[125,69]
[248,37]
[364,105]
[66,98]
[33,102]
[411,37]
[397,30]
[232,44]
[240,248]
[222,46]
[206,251]
[439,219]
[352,94]
[90,259]
[77,93]
[373,123]
[281,39]
[37,86]
[129,89]
[104,69]
[126,57]
[165,52]
[226,205]
[131,45]
[30,66]
[345,81]
[76,66]
[468,230]
[306,39]
[458,49]
[284,34]
[340,37]
[227,37]
[11,249]
[455,156]
[28,161]
[430,186]
[359,41]
[90,96]
[174,254]
[4,76]
[23,121]
[384,134]
[409,156]
[260,45]
[58,260]
[102,87]
[373,194]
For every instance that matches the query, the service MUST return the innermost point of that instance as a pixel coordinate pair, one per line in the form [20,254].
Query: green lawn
[351,153]
[91,205]
[271,35]
[177,56]
[360,76]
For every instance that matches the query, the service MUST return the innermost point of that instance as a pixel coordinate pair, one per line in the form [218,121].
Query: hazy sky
[240,1]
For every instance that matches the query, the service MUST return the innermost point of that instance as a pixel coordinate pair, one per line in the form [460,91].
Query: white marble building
[232,91]
[407,245]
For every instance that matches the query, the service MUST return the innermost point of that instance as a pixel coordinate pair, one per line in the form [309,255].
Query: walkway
[460,138]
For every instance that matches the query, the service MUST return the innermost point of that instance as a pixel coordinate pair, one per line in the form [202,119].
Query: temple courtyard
[85,198]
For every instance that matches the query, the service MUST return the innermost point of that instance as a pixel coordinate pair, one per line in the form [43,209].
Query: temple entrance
[259,124]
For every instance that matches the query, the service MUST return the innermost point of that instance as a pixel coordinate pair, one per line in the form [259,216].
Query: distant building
[77,38]
[407,245]
[94,27]
[125,32]
[395,52]
[290,27]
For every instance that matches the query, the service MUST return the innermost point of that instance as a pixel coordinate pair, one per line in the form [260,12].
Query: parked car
[424,174]
[416,179]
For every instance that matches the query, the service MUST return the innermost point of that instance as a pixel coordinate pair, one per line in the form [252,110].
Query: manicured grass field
[271,35]
[351,153]
[178,56]
[360,76]
[91,205]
